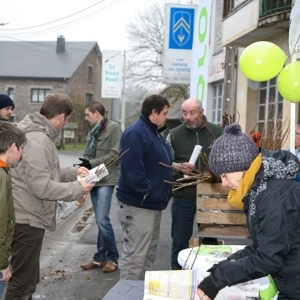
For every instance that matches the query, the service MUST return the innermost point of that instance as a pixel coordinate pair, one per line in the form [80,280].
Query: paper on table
[204,257]
[182,285]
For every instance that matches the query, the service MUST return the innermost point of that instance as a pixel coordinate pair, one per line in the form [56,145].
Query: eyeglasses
[192,113]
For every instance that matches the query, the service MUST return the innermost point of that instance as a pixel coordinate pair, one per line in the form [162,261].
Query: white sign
[69,134]
[178,43]
[111,74]
[200,55]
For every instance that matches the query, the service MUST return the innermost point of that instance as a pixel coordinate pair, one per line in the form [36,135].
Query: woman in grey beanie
[263,184]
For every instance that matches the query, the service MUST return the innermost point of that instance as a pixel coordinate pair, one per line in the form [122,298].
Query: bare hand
[80,201]
[6,274]
[83,171]
[201,295]
[86,186]
[186,168]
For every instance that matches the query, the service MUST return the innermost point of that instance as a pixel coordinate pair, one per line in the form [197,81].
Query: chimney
[60,44]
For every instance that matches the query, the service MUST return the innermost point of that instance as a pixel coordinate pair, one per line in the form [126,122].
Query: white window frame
[38,95]
[217,95]
[266,89]
[11,93]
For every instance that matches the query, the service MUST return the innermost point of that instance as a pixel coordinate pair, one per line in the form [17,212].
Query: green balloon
[288,82]
[262,61]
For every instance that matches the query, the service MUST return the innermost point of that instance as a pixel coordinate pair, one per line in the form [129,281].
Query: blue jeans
[2,286]
[106,243]
[183,212]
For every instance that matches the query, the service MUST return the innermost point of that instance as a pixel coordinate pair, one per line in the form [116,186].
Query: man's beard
[191,126]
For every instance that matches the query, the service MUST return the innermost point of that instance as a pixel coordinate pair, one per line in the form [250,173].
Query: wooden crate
[216,216]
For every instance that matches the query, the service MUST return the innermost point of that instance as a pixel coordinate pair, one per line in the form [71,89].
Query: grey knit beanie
[233,151]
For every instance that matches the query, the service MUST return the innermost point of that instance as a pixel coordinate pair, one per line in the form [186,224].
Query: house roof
[40,60]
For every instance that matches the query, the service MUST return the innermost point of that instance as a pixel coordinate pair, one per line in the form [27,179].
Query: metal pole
[123,99]
[293,108]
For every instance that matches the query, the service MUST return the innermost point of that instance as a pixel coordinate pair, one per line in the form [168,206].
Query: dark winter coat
[272,209]
[141,181]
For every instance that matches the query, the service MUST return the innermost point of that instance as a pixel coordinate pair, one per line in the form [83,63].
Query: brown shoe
[110,267]
[93,264]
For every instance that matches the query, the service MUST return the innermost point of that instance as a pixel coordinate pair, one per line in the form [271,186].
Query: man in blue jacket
[142,192]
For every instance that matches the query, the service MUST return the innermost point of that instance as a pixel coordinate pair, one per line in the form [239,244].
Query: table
[126,290]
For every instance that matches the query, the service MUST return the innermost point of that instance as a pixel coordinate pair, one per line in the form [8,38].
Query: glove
[85,163]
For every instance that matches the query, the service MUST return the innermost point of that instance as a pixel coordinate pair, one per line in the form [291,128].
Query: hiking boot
[93,265]
[110,267]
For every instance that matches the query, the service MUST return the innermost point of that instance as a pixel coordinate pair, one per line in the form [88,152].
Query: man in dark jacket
[194,131]
[6,107]
[142,192]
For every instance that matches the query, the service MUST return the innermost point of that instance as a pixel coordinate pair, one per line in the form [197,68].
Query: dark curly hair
[155,102]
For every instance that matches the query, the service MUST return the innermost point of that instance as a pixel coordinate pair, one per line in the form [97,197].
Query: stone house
[30,70]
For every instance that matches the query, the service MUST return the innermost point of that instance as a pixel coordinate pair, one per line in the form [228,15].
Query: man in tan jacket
[37,184]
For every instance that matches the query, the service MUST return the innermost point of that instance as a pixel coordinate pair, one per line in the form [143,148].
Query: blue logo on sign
[181,28]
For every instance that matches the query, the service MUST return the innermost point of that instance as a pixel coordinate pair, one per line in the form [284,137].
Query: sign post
[200,55]
[123,102]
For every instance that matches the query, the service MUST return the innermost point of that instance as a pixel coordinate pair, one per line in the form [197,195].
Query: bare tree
[146,38]
[146,48]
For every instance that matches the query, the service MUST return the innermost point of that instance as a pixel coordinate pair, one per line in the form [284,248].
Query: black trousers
[25,262]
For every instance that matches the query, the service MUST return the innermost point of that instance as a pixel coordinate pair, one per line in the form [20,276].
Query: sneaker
[93,265]
[110,267]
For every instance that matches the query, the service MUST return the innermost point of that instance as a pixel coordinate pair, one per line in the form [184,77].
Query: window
[217,103]
[11,93]
[230,5]
[38,95]
[88,98]
[90,74]
[270,105]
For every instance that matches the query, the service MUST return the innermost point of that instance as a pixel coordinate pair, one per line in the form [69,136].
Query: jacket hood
[279,164]
[37,122]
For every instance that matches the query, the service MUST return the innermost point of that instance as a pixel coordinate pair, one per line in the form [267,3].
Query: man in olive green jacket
[103,145]
[195,130]
[12,141]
